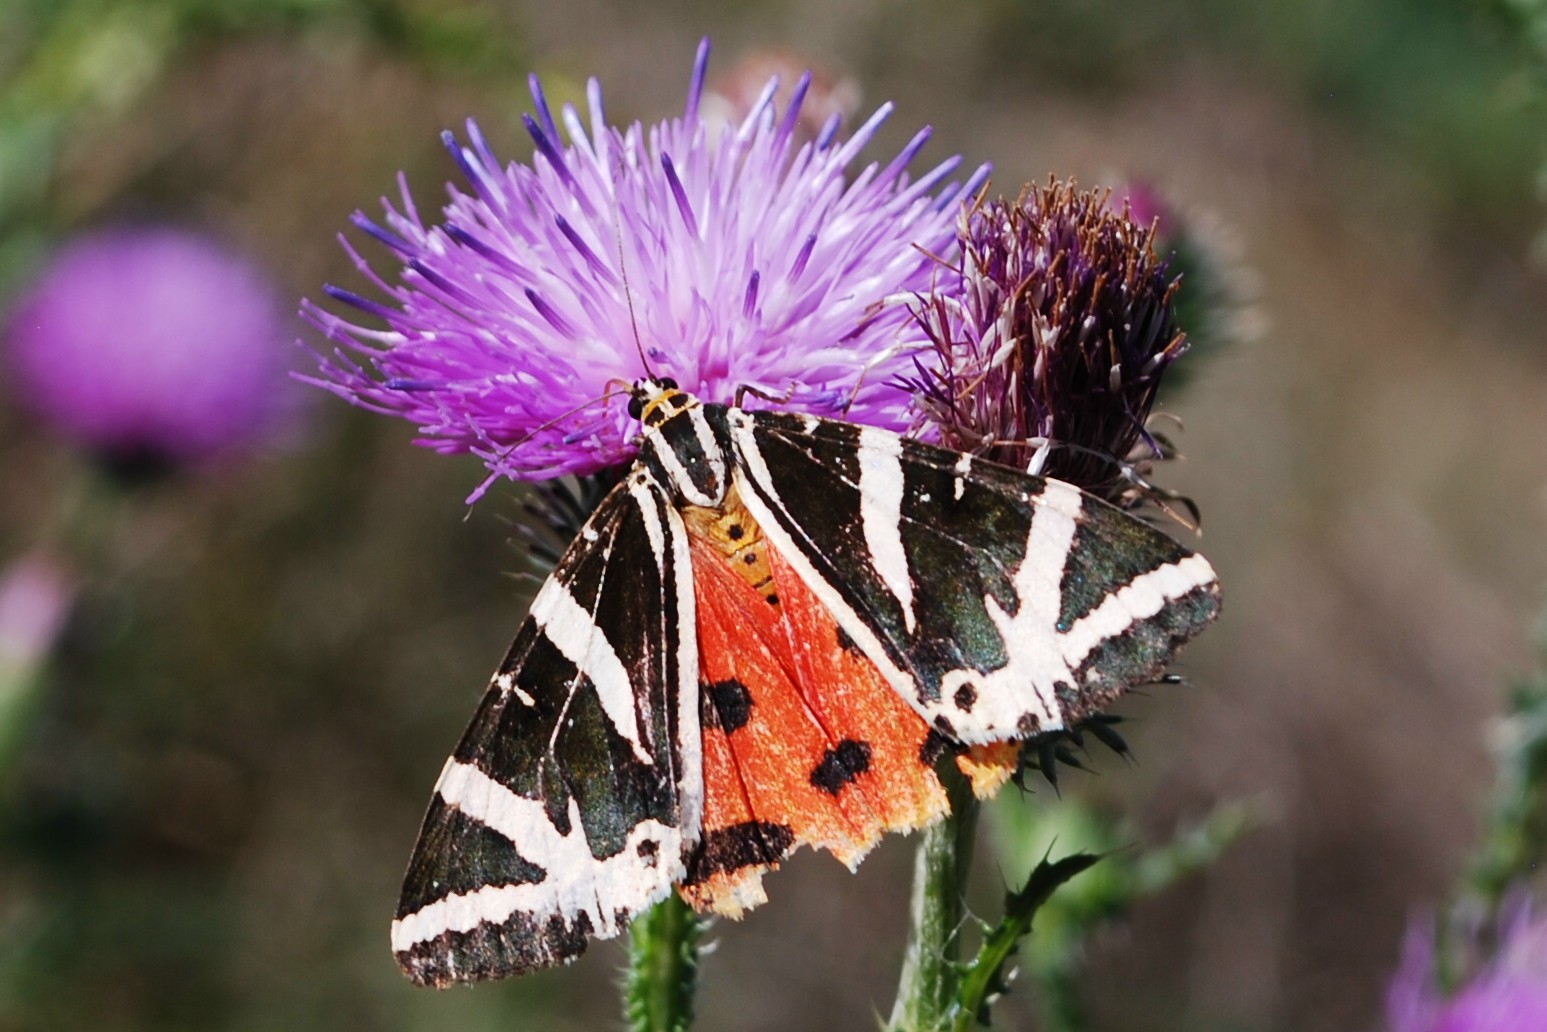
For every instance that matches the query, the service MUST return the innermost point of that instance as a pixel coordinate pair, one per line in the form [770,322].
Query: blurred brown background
[206,821]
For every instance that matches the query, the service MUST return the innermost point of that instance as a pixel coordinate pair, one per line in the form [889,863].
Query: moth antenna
[628,294]
[504,452]
[556,420]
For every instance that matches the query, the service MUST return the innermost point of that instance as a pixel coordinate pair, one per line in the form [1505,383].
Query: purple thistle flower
[1055,327]
[150,345]
[1505,994]
[731,259]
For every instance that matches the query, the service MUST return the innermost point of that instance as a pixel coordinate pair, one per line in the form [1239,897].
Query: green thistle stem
[662,967]
[931,971]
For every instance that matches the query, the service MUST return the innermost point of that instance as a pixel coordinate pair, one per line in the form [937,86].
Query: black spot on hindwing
[749,844]
[840,765]
[727,705]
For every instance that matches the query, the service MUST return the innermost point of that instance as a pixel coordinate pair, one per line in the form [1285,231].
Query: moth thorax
[731,532]
[687,457]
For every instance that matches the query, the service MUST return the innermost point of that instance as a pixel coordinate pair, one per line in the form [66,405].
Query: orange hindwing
[804,743]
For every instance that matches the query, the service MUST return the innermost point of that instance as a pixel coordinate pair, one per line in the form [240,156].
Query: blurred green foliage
[1514,845]
[1444,83]
[1053,956]
[66,66]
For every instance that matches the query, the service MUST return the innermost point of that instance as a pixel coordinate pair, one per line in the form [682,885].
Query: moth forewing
[986,641]
[573,795]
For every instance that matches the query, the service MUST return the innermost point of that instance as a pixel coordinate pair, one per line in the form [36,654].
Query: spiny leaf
[987,976]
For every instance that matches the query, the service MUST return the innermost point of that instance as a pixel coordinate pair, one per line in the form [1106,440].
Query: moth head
[653,401]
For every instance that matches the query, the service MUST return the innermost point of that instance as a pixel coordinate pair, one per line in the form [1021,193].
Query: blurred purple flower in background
[150,345]
[1146,207]
[735,93]
[1507,993]
[750,259]
[36,591]
[1217,288]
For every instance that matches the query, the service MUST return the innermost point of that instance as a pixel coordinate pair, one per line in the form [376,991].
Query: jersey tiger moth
[764,637]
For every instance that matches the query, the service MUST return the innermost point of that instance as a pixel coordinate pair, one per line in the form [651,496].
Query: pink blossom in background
[36,591]
[1504,992]
[150,343]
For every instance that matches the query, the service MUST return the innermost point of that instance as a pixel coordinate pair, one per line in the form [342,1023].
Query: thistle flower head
[150,344]
[1502,992]
[723,260]
[1215,298]
[1051,335]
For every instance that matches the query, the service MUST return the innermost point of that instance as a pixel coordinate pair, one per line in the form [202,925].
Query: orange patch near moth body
[989,766]
[804,742]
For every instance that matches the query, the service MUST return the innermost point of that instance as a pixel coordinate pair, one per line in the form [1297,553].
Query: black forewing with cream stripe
[575,791]
[998,603]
